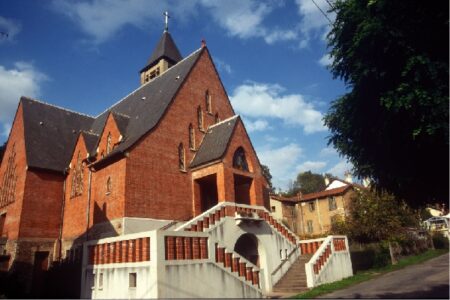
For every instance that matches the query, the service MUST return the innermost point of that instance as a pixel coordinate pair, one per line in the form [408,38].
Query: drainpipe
[62,217]
[88,209]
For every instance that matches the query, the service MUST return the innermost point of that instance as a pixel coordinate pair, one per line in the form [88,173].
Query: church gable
[111,135]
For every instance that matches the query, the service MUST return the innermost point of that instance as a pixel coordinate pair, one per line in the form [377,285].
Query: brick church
[167,173]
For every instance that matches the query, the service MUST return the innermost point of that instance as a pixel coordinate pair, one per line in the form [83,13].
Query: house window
[200,118]
[239,161]
[100,281]
[311,206]
[273,208]
[154,73]
[8,187]
[216,118]
[309,226]
[108,185]
[77,178]
[181,157]
[132,280]
[332,203]
[191,137]
[108,143]
[208,102]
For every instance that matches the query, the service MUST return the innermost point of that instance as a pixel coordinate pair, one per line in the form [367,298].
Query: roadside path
[429,279]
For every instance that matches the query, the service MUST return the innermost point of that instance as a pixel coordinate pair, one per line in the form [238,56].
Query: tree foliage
[307,182]
[376,216]
[392,123]
[2,151]
[268,176]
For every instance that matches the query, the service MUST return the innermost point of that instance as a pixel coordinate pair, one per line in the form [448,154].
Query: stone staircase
[294,281]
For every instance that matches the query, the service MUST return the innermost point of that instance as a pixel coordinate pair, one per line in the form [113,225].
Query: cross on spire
[166,20]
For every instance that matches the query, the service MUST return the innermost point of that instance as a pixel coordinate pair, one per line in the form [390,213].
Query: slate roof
[48,145]
[50,132]
[167,49]
[215,142]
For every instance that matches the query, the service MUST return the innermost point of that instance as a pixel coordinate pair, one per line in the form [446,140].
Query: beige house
[312,214]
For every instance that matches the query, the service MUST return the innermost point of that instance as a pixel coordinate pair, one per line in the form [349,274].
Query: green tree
[2,151]
[375,217]
[392,123]
[307,182]
[268,176]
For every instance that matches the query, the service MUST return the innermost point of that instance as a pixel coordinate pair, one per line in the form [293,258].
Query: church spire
[164,56]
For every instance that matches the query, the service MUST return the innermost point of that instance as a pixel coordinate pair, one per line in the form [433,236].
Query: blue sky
[271,56]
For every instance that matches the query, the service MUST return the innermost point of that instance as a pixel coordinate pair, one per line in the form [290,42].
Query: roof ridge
[145,84]
[120,114]
[90,133]
[224,121]
[58,107]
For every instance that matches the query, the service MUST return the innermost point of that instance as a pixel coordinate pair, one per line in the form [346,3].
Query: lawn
[369,274]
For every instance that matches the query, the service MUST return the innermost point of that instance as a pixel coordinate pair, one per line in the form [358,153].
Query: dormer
[164,56]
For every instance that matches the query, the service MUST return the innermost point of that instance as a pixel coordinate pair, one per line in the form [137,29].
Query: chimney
[327,180]
[203,43]
[348,177]
[366,182]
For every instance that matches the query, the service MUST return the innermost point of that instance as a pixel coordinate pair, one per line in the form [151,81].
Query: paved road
[426,280]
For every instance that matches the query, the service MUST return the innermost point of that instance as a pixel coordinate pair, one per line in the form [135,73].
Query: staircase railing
[331,261]
[285,265]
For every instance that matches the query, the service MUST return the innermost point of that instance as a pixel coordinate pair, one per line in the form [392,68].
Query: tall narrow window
[108,143]
[239,161]
[200,118]
[108,185]
[332,203]
[208,102]
[191,137]
[181,157]
[8,187]
[77,177]
[309,225]
[216,118]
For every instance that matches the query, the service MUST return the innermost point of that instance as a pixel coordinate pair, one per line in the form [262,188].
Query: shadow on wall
[62,279]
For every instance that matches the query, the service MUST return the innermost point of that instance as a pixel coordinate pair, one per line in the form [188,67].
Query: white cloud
[257,125]
[102,19]
[222,66]
[281,162]
[327,152]
[313,166]
[340,168]
[313,23]
[259,100]
[9,27]
[325,60]
[22,80]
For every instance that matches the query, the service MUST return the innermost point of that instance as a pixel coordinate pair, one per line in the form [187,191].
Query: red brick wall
[156,187]
[74,222]
[108,206]
[41,211]
[13,210]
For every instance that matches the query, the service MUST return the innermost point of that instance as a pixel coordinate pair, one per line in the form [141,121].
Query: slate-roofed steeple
[165,55]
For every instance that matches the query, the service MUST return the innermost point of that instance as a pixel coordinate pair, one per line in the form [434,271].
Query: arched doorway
[247,247]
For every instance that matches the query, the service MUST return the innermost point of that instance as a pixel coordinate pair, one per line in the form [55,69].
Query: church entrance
[242,189]
[247,247]
[208,191]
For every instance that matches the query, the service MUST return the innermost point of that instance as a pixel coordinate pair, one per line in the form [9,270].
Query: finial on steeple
[166,20]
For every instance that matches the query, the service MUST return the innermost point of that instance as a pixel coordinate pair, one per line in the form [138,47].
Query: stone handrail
[321,268]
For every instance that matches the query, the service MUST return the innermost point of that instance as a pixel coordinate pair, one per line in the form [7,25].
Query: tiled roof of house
[293,199]
[326,193]
[48,144]
[50,133]
[167,49]
[215,142]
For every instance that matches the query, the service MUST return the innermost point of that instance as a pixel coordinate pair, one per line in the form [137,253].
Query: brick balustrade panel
[235,265]
[146,249]
[195,248]
[179,248]
[228,260]
[188,248]
[242,269]
[170,248]
[256,278]
[203,248]
[249,275]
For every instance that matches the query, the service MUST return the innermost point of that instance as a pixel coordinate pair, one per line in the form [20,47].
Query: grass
[369,274]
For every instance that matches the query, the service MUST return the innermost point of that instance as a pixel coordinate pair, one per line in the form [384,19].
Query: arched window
[208,102]
[239,161]
[200,118]
[77,178]
[216,118]
[108,143]
[8,187]
[108,185]
[191,137]
[181,157]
